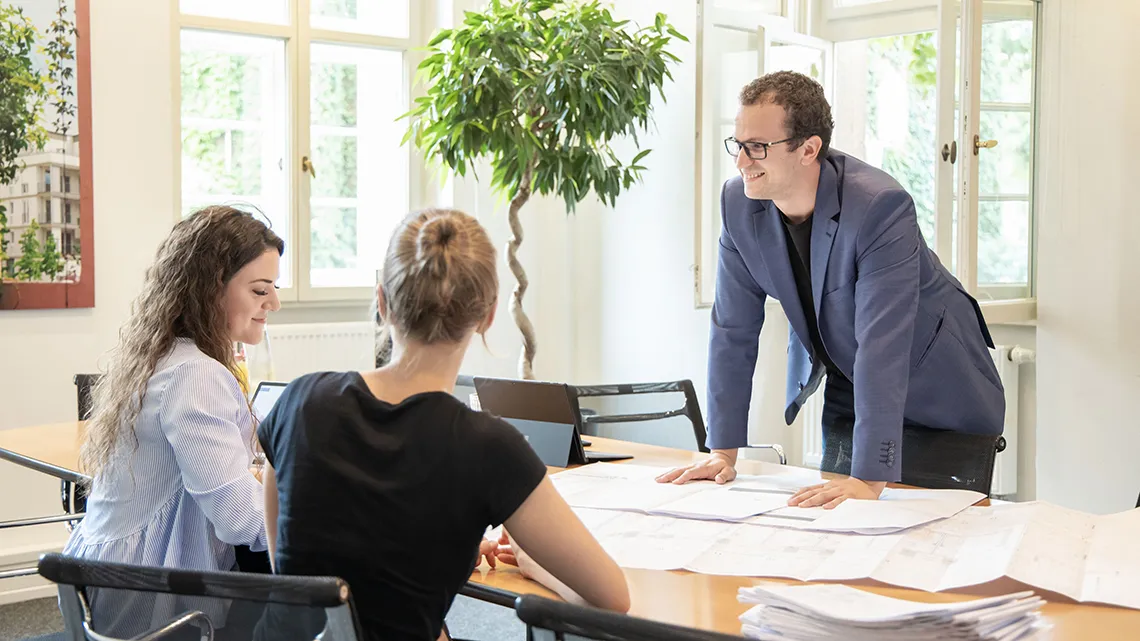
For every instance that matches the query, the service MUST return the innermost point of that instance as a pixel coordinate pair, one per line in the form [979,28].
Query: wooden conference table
[685,598]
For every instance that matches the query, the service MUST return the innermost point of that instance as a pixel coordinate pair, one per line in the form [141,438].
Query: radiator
[1007,358]
[301,348]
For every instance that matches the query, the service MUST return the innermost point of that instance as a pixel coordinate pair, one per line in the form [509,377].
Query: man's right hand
[718,467]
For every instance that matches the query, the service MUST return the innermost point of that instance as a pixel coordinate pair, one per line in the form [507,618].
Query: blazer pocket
[938,329]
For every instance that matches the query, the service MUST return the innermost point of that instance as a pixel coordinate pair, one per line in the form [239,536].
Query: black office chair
[934,459]
[73,494]
[690,410]
[148,604]
[548,620]
[84,383]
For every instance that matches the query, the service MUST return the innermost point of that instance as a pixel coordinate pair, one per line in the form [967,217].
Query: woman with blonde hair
[386,479]
[170,441]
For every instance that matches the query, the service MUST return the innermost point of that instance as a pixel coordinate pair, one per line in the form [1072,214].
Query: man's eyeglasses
[754,150]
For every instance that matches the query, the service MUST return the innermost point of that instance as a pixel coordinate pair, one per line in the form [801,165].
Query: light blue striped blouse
[185,496]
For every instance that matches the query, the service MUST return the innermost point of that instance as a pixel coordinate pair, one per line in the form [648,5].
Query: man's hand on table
[719,467]
[832,493]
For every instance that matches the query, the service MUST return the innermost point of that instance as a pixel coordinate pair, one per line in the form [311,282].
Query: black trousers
[839,424]
[931,458]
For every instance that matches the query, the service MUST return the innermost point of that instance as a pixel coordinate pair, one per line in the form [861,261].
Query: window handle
[983,144]
[950,152]
[307,166]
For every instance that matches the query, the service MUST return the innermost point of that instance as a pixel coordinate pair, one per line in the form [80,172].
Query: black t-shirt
[798,236]
[394,499]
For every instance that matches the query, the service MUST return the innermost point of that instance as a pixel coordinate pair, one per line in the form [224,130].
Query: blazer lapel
[823,229]
[770,235]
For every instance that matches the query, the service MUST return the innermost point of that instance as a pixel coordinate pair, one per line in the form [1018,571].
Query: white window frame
[297,36]
[768,28]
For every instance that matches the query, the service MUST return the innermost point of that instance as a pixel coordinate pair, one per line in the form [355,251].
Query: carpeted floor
[468,619]
[29,619]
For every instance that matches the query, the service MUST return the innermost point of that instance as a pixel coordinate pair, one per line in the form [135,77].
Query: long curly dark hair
[181,298]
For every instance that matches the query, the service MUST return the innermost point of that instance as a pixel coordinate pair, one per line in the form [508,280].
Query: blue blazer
[911,340]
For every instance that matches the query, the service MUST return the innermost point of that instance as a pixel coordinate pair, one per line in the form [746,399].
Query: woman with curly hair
[170,441]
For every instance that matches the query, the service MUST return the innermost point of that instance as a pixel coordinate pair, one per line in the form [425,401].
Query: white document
[760,500]
[633,488]
[654,542]
[1088,558]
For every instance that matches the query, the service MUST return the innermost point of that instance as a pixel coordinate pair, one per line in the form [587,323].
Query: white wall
[1088,434]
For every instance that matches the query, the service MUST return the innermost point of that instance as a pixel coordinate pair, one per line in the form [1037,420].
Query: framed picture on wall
[46,215]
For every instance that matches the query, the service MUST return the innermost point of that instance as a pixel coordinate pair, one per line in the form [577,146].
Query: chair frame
[549,620]
[690,410]
[73,575]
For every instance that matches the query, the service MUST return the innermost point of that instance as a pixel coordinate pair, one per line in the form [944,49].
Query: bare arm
[270,481]
[570,561]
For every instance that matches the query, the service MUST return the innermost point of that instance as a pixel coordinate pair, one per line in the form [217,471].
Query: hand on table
[835,492]
[510,553]
[716,467]
[488,549]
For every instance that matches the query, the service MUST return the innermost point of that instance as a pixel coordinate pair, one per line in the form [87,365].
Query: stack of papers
[815,612]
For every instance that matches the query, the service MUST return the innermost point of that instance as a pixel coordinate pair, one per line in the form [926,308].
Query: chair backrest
[83,385]
[690,410]
[937,459]
[548,620]
[104,601]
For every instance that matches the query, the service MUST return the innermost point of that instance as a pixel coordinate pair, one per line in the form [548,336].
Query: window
[291,110]
[67,213]
[67,184]
[47,180]
[23,188]
[898,104]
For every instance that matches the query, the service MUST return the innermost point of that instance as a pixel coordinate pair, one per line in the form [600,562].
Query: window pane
[774,7]
[360,192]
[274,11]
[1007,61]
[886,107]
[234,127]
[1005,225]
[376,17]
[739,54]
[791,57]
[1003,242]
[1005,169]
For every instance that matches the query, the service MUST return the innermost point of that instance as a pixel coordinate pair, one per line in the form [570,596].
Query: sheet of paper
[897,508]
[608,486]
[750,550]
[657,542]
[1112,570]
[1052,551]
[754,499]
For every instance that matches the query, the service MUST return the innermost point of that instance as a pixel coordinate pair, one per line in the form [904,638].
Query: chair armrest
[775,447]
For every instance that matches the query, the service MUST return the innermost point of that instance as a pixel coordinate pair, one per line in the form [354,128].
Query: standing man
[869,304]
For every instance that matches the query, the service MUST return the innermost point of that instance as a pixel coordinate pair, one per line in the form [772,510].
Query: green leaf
[443,34]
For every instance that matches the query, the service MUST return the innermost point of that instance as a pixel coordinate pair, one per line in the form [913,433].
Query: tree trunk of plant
[526,357]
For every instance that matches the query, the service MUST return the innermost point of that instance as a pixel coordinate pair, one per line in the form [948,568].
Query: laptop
[465,392]
[546,414]
[265,397]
